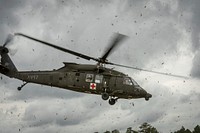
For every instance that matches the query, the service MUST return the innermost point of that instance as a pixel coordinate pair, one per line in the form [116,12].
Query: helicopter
[85,78]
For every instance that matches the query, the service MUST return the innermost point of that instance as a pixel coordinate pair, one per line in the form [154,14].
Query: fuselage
[86,79]
[94,79]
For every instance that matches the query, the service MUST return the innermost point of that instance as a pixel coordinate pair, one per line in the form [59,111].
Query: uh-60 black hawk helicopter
[86,78]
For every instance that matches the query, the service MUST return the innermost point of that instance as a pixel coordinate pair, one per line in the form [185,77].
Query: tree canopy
[148,128]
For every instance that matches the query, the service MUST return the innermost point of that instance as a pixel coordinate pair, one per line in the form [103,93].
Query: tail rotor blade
[8,40]
[12,51]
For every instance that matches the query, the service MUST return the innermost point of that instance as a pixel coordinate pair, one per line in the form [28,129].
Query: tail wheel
[19,88]
[105,96]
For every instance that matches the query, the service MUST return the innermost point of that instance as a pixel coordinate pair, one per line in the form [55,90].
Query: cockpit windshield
[129,81]
[134,82]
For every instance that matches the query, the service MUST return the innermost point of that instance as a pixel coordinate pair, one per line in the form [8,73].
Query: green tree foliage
[147,128]
[196,129]
[129,130]
[183,130]
[115,131]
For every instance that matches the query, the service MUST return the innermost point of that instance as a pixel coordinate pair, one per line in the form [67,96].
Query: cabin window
[127,81]
[98,78]
[89,77]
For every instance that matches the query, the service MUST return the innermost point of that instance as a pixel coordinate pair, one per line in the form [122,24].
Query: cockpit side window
[89,77]
[127,81]
[134,82]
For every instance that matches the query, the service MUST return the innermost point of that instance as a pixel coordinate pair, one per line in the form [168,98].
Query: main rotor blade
[8,39]
[140,69]
[59,48]
[115,42]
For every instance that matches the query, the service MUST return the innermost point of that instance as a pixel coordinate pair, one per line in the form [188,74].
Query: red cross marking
[93,86]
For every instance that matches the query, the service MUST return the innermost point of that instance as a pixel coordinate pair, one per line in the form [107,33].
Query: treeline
[147,128]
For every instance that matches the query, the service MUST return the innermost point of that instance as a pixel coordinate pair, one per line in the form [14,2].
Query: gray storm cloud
[8,20]
[193,26]
[154,28]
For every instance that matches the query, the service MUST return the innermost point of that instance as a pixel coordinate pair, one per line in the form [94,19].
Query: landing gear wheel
[112,101]
[147,98]
[105,96]
[19,88]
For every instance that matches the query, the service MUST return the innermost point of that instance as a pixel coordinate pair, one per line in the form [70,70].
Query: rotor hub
[3,50]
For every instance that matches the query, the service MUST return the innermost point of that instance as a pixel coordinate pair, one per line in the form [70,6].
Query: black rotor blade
[115,42]
[8,39]
[59,48]
[136,68]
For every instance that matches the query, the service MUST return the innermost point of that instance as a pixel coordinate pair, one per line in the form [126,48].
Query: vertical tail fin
[7,67]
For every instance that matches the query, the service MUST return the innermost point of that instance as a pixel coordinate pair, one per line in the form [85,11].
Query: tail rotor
[6,65]
[3,48]
[8,39]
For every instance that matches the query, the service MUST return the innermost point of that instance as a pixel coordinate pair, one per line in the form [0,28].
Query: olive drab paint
[85,78]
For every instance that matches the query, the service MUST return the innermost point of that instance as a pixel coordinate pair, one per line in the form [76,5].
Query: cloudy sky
[163,36]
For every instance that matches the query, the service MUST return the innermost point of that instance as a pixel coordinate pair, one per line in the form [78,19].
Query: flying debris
[86,78]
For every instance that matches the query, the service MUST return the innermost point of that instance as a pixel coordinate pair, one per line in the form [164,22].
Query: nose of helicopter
[148,95]
[144,93]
